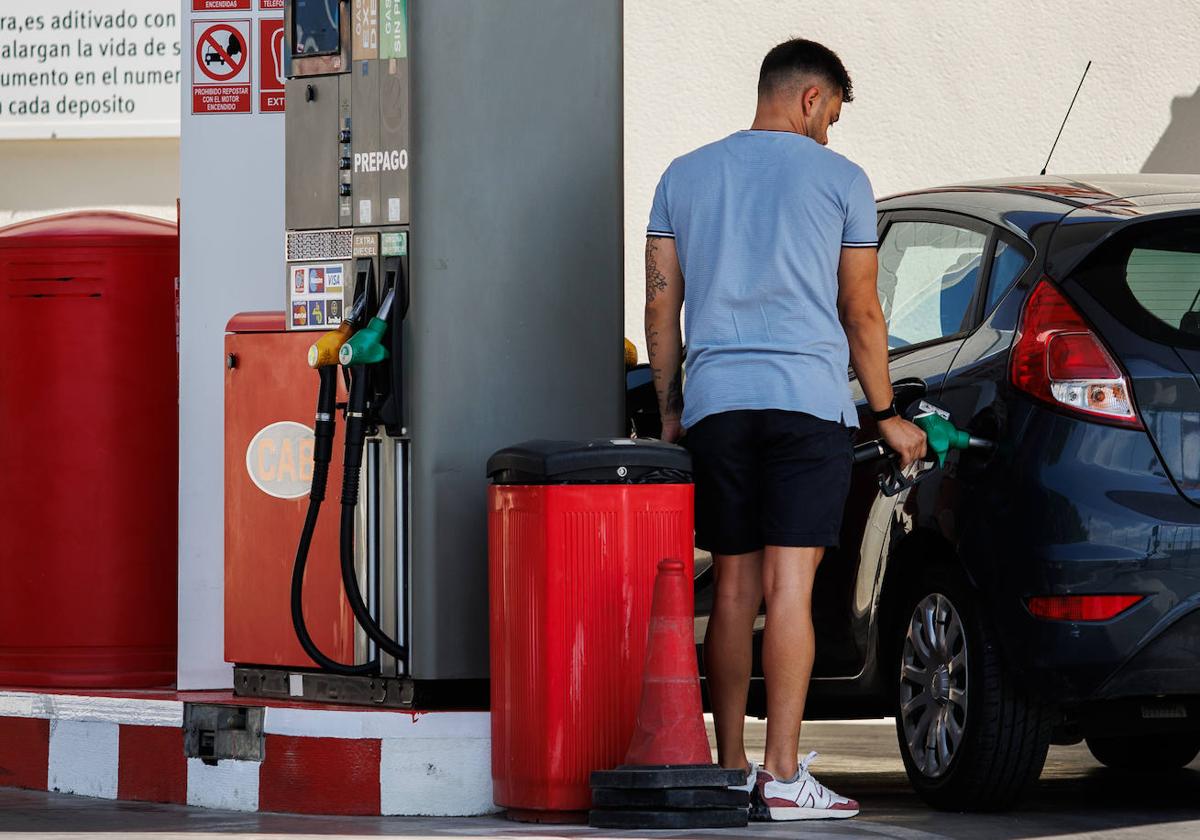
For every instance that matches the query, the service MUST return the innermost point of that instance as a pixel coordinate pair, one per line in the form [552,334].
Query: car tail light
[1081,607]
[1057,358]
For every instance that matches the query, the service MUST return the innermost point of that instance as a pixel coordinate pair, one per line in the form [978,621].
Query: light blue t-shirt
[759,220]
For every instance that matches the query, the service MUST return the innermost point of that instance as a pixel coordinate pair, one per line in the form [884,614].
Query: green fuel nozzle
[325,350]
[365,347]
[941,436]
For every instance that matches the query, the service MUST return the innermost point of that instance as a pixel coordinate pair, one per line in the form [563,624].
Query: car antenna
[1065,118]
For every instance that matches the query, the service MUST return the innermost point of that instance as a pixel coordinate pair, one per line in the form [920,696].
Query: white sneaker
[803,798]
[751,779]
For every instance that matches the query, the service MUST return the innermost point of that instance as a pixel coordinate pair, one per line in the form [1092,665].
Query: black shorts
[768,477]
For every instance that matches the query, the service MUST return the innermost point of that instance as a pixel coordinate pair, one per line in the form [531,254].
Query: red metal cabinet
[270,400]
[89,451]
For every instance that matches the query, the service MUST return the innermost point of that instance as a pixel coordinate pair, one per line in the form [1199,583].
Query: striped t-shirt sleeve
[860,228]
[660,218]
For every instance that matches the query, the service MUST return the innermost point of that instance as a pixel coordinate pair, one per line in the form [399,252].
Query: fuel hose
[322,455]
[356,435]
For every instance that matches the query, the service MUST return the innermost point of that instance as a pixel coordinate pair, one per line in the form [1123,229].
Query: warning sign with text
[268,5]
[221,67]
[75,69]
[270,65]
[220,5]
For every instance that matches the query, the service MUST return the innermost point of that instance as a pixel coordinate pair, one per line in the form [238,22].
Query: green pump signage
[393,29]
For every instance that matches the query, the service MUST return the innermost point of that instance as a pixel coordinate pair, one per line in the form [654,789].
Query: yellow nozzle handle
[325,351]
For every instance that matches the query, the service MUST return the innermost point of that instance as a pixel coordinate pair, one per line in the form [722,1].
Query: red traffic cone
[670,720]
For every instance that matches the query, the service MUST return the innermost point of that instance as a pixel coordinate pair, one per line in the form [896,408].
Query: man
[768,240]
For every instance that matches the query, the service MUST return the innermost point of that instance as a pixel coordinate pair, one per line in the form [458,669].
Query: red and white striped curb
[315,760]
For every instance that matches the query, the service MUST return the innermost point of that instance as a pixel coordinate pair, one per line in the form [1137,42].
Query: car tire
[1146,753]
[986,739]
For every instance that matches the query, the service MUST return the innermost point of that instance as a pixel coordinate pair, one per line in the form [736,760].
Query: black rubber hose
[352,466]
[872,450]
[322,454]
[356,435]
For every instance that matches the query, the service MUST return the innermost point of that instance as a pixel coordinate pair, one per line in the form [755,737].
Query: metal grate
[320,245]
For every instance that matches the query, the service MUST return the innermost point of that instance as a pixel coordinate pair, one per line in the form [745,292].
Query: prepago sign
[389,160]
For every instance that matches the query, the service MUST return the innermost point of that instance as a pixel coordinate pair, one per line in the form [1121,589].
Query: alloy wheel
[933,685]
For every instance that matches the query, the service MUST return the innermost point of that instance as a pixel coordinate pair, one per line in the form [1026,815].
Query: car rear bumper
[1081,508]
[1167,665]
[1133,655]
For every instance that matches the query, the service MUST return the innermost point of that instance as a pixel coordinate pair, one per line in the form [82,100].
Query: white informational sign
[78,68]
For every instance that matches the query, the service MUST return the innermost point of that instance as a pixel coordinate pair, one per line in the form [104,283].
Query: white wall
[230,254]
[47,176]
[945,90]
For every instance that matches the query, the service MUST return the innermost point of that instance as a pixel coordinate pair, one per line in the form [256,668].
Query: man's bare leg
[728,650]
[788,650]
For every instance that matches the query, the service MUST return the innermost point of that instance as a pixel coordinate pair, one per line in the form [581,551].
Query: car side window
[1007,266]
[928,275]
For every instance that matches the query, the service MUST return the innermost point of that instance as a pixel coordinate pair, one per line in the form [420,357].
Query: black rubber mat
[670,798]
[708,818]
[667,776]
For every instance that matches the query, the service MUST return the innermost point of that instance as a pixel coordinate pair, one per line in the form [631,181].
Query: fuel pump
[402,161]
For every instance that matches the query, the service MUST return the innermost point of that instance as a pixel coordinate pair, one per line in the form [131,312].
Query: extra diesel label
[392,160]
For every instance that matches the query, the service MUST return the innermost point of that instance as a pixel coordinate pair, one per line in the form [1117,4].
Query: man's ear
[808,99]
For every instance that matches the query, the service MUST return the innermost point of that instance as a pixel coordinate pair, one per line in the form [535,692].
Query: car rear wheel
[1146,753]
[970,736]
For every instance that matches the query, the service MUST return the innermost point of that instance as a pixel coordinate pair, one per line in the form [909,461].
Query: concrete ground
[1076,798]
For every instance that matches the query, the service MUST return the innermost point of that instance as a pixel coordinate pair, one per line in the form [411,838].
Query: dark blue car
[1048,591]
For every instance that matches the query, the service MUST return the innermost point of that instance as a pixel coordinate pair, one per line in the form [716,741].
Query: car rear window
[1149,277]
[1166,283]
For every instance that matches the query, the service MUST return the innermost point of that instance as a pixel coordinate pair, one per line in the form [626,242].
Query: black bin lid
[601,461]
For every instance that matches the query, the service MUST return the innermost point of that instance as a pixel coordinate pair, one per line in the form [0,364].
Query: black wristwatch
[886,413]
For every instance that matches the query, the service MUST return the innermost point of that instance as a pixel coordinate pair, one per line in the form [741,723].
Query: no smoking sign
[221,67]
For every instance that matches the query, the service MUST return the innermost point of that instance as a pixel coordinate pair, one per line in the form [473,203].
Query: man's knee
[739,592]
[788,576]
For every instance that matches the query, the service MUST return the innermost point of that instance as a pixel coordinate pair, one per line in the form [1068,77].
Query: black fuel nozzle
[323,429]
[356,432]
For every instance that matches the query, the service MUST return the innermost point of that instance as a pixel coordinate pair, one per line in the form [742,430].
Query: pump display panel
[315,28]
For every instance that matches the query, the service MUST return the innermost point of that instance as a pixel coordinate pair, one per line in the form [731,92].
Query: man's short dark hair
[792,60]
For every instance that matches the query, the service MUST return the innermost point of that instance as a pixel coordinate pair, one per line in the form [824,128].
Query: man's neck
[768,120]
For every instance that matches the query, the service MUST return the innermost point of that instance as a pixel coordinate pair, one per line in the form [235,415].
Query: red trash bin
[576,531]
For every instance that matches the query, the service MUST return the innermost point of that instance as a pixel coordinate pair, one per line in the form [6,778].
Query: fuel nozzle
[366,346]
[324,351]
[940,437]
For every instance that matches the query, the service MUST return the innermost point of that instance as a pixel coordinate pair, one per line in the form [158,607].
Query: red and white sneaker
[803,798]
[751,779]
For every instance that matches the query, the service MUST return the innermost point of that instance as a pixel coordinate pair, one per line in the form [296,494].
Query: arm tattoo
[675,394]
[656,281]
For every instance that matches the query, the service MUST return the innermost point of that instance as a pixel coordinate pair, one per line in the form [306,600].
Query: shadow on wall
[1177,150]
